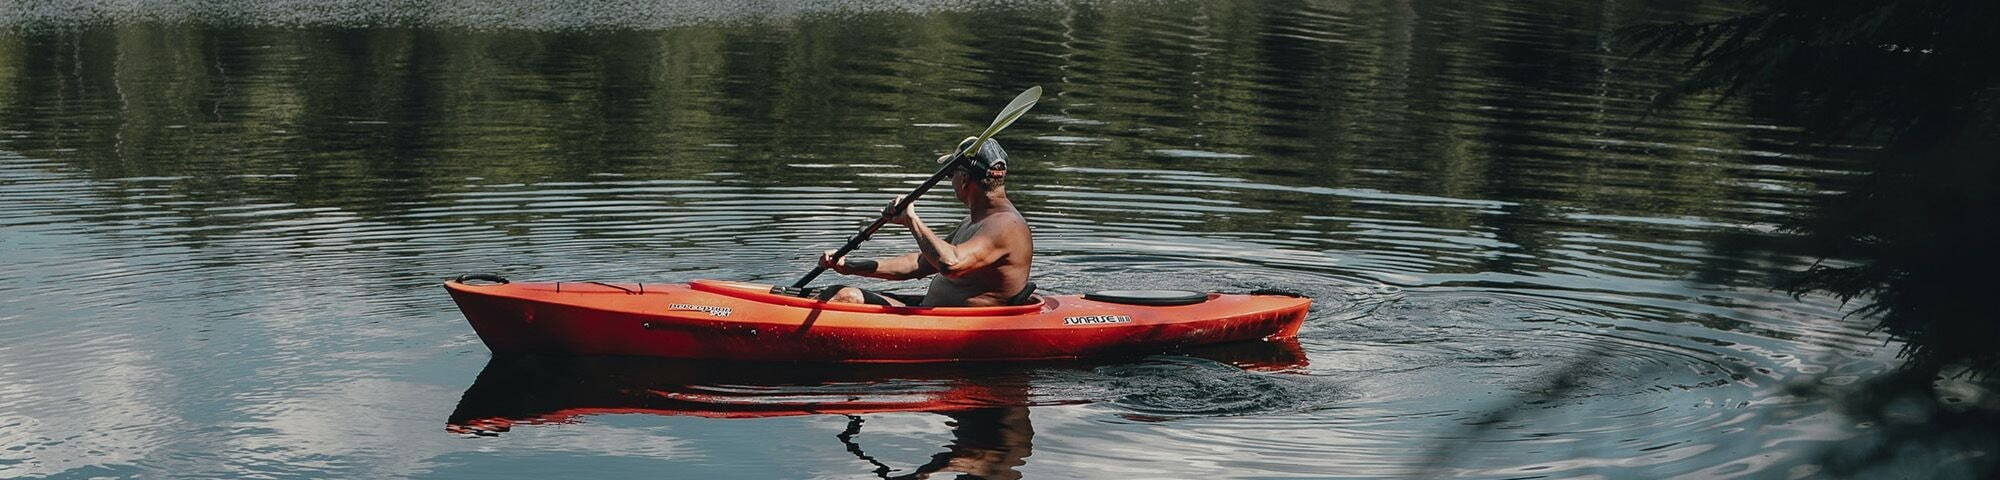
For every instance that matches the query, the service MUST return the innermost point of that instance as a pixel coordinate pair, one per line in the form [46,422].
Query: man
[983,263]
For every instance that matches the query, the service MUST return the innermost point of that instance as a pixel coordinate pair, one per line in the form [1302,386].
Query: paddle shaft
[856,240]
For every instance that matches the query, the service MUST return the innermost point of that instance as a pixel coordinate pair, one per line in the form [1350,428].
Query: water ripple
[222,245]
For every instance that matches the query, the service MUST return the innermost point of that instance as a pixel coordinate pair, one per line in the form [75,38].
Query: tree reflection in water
[1911,242]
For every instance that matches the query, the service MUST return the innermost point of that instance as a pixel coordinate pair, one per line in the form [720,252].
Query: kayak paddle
[1014,110]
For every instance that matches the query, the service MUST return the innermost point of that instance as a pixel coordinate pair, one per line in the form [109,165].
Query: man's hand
[904,217]
[843,266]
[837,264]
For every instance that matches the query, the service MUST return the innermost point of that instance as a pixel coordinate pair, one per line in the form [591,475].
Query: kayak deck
[707,319]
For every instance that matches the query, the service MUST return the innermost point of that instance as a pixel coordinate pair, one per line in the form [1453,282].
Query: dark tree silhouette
[1913,239]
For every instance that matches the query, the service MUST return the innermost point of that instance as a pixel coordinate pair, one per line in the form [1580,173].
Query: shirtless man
[983,263]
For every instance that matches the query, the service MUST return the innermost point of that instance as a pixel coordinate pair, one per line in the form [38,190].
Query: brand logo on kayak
[1096,319]
[712,311]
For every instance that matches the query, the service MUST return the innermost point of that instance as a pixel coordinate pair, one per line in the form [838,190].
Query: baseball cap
[990,156]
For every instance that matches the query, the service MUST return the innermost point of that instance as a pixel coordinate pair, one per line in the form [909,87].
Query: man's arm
[901,267]
[978,252]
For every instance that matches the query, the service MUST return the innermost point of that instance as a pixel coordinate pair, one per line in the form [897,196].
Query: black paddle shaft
[855,241]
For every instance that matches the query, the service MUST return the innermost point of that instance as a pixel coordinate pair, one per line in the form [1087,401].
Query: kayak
[723,320]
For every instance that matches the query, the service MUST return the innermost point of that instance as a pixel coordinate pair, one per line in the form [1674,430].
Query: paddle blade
[1007,116]
[1015,110]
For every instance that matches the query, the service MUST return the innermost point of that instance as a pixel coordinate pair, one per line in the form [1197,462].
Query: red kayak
[707,319]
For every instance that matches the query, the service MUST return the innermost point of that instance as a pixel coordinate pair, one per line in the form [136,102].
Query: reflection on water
[987,404]
[538,389]
[986,443]
[222,237]
[1913,234]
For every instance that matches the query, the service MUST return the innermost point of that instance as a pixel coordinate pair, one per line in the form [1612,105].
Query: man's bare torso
[1001,281]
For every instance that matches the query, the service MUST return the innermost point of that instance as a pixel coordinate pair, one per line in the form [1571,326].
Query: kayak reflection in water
[987,404]
[983,263]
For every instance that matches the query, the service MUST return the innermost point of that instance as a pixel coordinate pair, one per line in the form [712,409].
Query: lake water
[223,227]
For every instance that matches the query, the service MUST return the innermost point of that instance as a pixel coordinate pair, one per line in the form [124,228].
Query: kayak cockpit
[762,293]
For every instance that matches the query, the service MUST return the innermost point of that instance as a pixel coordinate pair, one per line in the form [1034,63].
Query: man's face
[961,185]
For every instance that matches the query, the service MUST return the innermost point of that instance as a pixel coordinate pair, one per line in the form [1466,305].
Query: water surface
[224,227]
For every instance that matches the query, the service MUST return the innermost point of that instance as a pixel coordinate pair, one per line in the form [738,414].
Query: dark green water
[223,227]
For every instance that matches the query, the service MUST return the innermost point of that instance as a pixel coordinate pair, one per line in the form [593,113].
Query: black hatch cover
[1148,297]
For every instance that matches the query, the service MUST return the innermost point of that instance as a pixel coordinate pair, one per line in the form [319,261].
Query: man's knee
[847,295]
